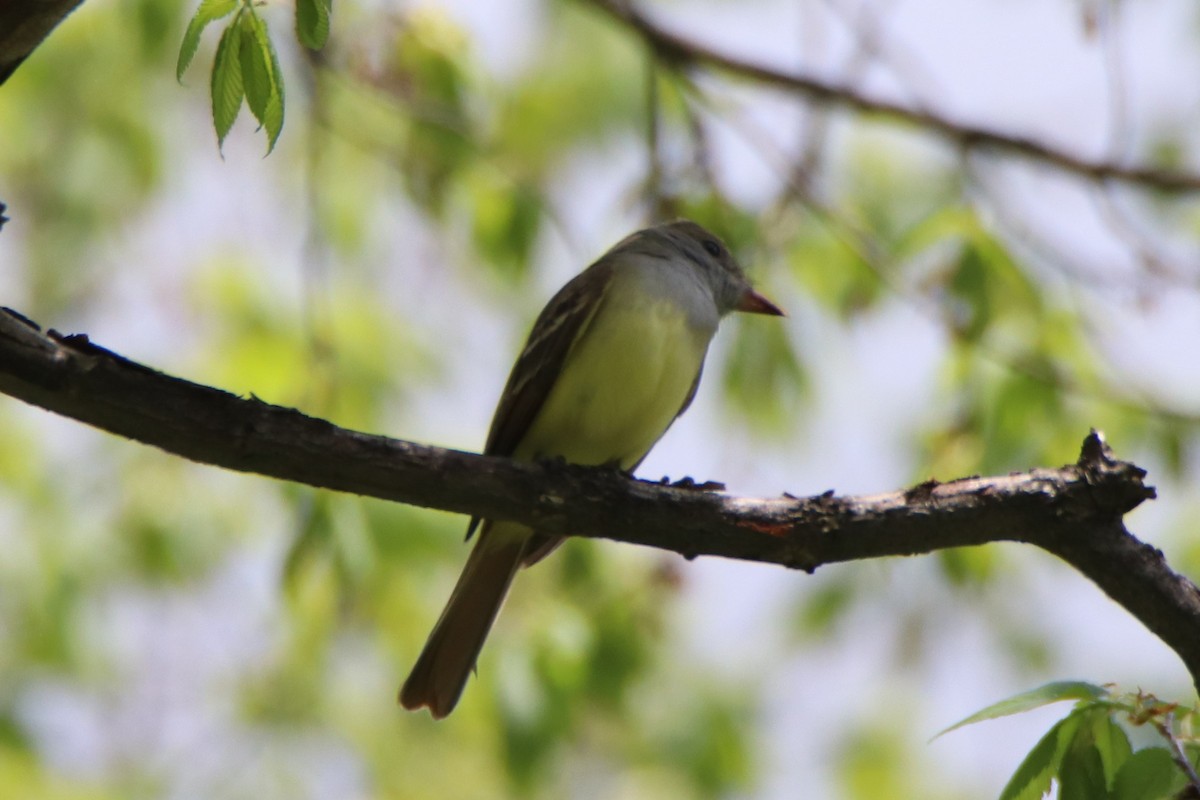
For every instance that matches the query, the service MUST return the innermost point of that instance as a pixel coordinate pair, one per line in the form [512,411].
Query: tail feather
[442,669]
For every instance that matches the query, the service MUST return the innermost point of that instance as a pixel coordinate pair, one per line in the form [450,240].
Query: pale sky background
[1016,65]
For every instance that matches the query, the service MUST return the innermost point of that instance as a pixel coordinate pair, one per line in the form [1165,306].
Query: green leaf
[1035,698]
[1149,774]
[825,607]
[209,11]
[972,284]
[507,221]
[227,89]
[1032,779]
[845,281]
[1081,775]
[1111,744]
[311,541]
[312,22]
[261,76]
[764,376]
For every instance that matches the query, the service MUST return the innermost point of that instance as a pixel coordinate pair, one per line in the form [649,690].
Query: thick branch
[1074,511]
[680,50]
[23,26]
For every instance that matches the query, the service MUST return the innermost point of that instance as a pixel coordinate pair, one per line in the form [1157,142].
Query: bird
[611,362]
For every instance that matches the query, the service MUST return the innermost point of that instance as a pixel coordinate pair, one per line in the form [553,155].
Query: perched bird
[611,361]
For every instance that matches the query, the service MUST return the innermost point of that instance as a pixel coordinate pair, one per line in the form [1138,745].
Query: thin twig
[680,50]
[1165,728]
[868,250]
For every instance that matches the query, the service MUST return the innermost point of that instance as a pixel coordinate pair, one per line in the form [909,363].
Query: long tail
[441,671]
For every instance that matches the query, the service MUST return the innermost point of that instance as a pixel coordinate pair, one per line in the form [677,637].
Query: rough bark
[1074,511]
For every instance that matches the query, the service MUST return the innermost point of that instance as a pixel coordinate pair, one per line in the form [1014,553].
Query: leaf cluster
[246,67]
[1087,754]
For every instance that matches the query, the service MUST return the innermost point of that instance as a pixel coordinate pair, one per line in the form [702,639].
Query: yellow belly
[622,386]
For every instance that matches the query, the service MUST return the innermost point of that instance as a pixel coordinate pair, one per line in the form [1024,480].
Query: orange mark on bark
[777,529]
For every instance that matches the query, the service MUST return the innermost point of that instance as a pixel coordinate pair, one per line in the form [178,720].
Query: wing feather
[555,332]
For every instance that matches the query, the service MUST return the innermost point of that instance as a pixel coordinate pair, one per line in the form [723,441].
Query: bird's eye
[712,247]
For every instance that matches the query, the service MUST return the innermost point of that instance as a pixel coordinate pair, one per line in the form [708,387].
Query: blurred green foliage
[80,158]
[397,125]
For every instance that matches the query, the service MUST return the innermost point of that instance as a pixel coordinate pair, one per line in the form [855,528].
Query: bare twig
[655,173]
[1166,729]
[674,48]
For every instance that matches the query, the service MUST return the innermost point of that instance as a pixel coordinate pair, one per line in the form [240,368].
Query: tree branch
[672,48]
[1074,511]
[23,26]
